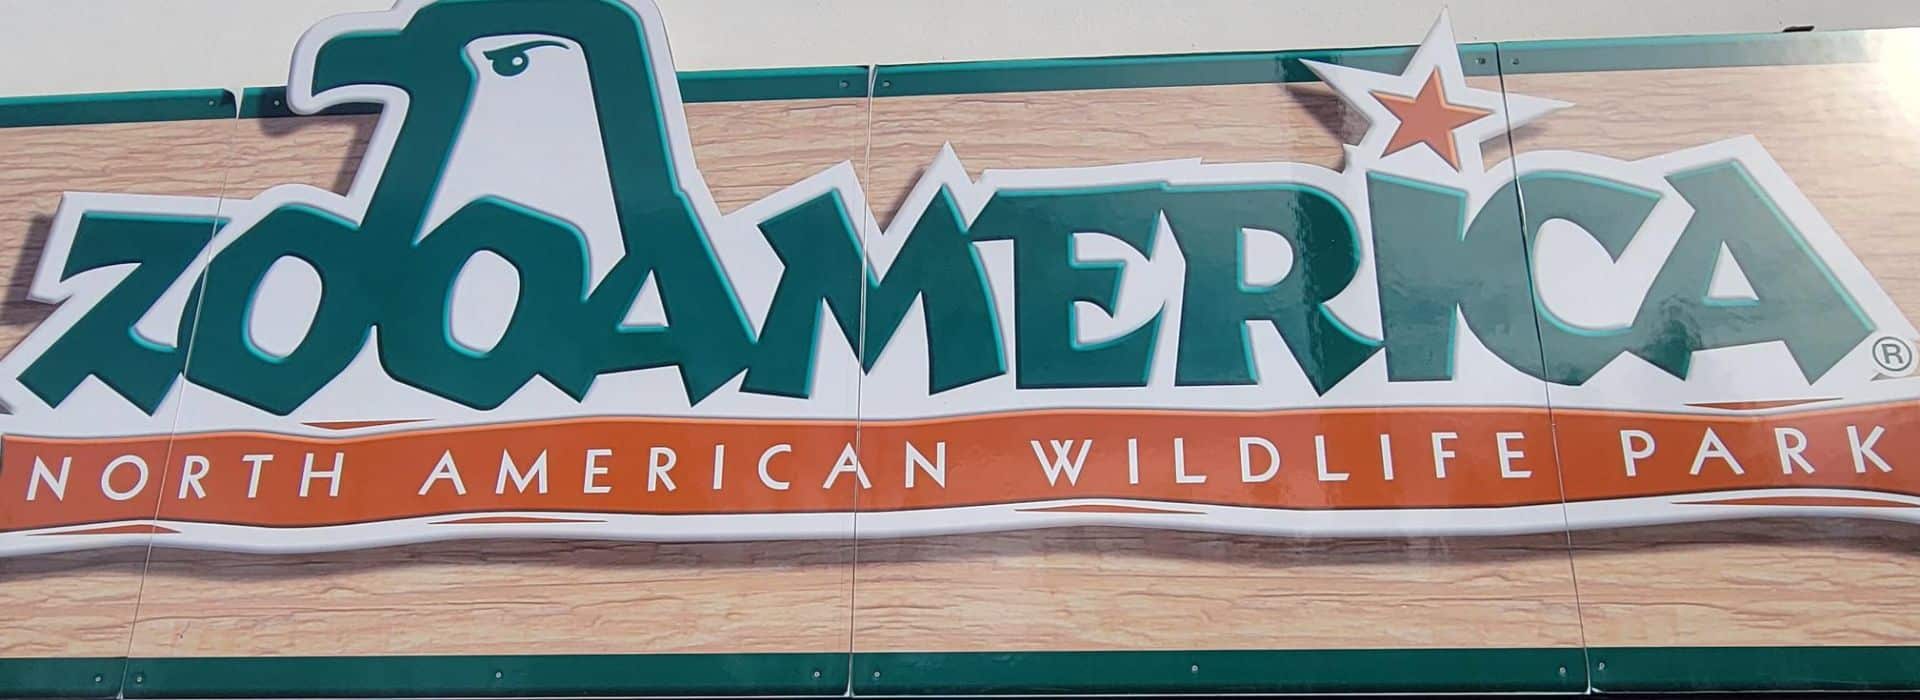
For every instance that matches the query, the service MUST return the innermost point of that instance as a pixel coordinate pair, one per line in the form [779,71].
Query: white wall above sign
[241,43]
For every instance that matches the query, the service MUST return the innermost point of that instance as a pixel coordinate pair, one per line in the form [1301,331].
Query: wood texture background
[1839,130]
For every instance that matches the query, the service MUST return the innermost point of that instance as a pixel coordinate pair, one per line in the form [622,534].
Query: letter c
[766,457]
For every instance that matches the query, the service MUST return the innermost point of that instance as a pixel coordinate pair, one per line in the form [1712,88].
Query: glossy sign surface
[1262,355]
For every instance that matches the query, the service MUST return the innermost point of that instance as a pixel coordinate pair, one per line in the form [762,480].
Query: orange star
[1428,118]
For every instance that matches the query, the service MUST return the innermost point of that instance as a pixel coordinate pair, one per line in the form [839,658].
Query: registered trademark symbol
[1893,355]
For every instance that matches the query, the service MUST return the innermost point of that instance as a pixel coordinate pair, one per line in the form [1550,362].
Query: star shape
[1428,103]
[1429,119]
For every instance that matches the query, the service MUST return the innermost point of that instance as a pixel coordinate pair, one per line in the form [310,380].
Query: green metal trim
[473,676]
[271,102]
[695,87]
[116,107]
[1286,671]
[1550,56]
[1696,51]
[1147,71]
[773,84]
[61,678]
[1611,669]
[1629,669]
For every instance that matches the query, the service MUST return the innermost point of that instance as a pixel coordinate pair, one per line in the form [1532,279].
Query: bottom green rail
[1557,670]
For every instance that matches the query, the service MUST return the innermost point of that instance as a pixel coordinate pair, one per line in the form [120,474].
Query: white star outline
[1437,52]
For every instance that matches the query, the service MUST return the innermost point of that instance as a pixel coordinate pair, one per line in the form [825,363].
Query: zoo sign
[528,317]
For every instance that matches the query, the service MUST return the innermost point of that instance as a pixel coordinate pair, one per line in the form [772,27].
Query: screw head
[1563,672]
[498,674]
[816,673]
[99,678]
[1194,668]
[1602,666]
[139,678]
[876,674]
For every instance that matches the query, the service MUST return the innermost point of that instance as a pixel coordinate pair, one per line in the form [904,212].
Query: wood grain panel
[182,158]
[499,597]
[1849,135]
[69,604]
[1301,122]
[81,603]
[749,150]
[1095,588]
[1762,582]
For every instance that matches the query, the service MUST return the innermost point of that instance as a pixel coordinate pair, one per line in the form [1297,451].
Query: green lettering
[936,266]
[1041,224]
[1218,304]
[1430,264]
[103,343]
[1799,302]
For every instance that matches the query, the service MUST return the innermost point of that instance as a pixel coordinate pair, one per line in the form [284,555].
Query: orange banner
[1321,459]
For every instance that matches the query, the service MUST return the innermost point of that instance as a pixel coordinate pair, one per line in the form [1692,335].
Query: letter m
[825,264]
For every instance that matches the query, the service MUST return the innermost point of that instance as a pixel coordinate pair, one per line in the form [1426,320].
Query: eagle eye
[509,61]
